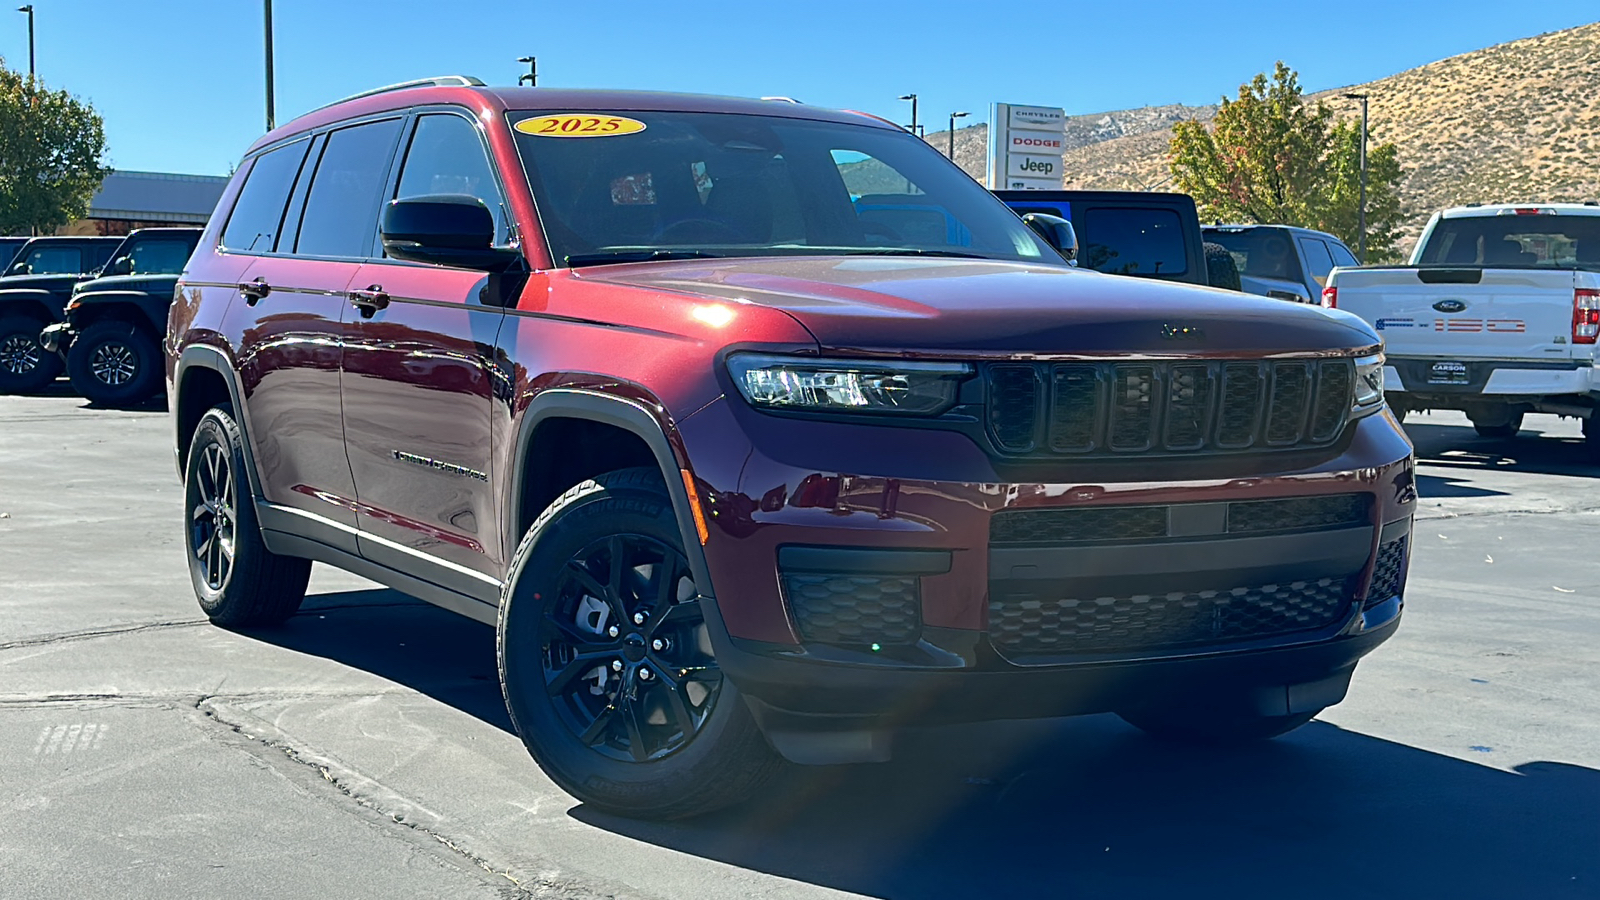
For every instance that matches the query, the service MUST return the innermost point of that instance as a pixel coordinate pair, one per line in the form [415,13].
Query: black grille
[855,610]
[1386,572]
[1023,625]
[1121,524]
[1298,513]
[1124,408]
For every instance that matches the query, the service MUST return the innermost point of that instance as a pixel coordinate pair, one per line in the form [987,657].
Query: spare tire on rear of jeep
[1221,270]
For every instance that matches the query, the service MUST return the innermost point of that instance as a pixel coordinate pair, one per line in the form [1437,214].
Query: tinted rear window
[1260,252]
[1511,241]
[341,216]
[1131,241]
[258,213]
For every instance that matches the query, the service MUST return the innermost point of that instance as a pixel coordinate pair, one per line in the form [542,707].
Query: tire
[114,363]
[1221,270]
[677,743]
[1508,430]
[1200,724]
[25,366]
[238,581]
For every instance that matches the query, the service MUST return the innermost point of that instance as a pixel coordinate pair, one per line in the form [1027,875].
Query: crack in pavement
[93,633]
[312,770]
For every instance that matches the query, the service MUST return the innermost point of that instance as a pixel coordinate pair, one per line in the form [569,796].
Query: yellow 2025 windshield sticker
[572,125]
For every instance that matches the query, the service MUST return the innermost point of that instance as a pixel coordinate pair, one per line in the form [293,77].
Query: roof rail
[436,81]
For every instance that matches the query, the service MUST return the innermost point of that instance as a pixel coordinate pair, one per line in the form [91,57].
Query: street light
[532,78]
[952,133]
[29,10]
[913,99]
[272,116]
[1361,250]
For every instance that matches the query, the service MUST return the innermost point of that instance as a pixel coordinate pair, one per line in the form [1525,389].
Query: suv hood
[39,282]
[886,304]
[147,284]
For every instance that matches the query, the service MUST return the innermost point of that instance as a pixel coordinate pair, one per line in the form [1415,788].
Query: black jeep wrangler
[33,292]
[111,336]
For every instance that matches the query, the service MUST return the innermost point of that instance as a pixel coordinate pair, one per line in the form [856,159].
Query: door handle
[253,291]
[370,300]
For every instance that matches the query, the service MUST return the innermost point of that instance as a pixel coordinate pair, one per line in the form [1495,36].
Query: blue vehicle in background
[1282,261]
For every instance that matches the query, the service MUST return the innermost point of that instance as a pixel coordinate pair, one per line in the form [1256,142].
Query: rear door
[419,380]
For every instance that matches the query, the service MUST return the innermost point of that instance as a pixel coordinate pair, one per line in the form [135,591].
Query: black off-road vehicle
[33,294]
[111,334]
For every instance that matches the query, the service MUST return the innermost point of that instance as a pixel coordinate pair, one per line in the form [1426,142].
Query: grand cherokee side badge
[1181,332]
[1450,306]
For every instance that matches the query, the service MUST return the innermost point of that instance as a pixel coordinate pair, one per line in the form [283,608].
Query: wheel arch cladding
[611,433]
[205,378]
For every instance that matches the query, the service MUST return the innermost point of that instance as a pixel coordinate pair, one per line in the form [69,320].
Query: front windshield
[716,184]
[164,257]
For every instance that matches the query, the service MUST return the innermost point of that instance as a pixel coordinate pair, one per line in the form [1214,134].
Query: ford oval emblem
[1450,306]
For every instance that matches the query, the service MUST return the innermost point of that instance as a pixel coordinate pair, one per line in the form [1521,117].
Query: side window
[446,157]
[1318,262]
[258,213]
[1341,255]
[1132,241]
[55,261]
[341,215]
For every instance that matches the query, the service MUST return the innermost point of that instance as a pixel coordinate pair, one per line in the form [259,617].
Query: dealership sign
[1025,147]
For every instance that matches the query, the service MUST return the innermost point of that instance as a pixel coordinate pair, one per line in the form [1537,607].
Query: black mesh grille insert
[1013,406]
[855,610]
[1299,513]
[1068,526]
[1022,625]
[1387,578]
[1173,406]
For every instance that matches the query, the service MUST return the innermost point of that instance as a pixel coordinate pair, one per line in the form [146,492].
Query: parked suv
[33,294]
[1282,261]
[738,473]
[111,335]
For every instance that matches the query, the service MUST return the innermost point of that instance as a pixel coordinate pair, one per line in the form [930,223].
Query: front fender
[32,300]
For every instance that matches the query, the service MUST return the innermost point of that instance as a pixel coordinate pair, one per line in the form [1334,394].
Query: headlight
[1369,385]
[843,385]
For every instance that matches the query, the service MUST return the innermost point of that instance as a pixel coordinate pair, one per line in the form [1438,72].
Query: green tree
[1271,157]
[52,155]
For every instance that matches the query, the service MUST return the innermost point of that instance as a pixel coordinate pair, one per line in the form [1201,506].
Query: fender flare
[630,416]
[205,356]
[139,301]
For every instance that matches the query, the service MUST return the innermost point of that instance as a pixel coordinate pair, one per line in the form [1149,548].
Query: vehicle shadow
[1070,807]
[1089,807]
[1437,486]
[1454,446]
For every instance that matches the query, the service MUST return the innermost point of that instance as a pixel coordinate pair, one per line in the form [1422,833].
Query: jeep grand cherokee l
[739,475]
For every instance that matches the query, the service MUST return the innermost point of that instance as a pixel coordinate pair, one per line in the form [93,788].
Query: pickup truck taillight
[1585,315]
[1330,297]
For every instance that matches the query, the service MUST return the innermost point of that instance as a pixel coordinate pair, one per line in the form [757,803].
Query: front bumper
[58,338]
[849,605]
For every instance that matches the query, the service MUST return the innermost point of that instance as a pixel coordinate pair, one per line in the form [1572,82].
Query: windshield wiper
[627,256]
[911,251]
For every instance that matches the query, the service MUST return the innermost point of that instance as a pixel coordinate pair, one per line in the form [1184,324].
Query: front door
[418,383]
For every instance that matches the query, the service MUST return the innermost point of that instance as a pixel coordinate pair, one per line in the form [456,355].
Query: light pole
[29,10]
[953,117]
[1361,250]
[272,116]
[913,99]
[532,78]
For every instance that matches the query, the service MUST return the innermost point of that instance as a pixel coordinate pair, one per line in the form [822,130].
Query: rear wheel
[1204,724]
[607,665]
[114,363]
[25,366]
[1506,429]
[238,581]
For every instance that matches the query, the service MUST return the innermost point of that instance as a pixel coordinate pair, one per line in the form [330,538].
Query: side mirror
[122,265]
[444,230]
[1057,232]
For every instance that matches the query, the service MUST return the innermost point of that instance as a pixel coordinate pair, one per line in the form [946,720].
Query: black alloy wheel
[625,656]
[212,521]
[25,366]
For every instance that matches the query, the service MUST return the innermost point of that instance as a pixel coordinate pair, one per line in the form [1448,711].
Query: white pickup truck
[1497,315]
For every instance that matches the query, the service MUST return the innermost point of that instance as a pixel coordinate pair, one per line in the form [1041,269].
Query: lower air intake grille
[855,610]
[1386,572]
[1020,627]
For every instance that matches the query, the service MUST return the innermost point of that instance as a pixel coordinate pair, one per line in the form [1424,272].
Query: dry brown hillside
[1517,121]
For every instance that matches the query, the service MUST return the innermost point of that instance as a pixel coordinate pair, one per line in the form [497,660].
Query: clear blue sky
[180,82]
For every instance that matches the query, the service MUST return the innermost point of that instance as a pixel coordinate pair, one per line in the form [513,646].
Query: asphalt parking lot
[362,750]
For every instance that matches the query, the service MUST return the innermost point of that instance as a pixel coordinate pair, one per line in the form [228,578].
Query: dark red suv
[741,470]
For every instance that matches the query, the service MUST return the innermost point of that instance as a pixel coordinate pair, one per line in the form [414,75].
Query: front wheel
[25,366]
[607,664]
[1198,724]
[113,363]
